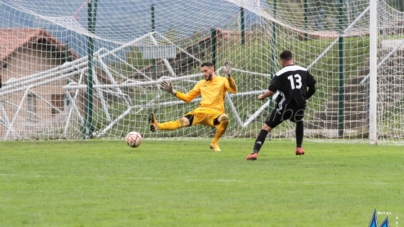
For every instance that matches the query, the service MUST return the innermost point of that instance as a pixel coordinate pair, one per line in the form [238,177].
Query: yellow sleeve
[195,92]
[231,85]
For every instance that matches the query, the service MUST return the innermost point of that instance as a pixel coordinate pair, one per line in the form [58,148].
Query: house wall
[23,62]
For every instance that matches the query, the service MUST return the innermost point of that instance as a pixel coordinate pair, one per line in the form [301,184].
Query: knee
[184,122]
[224,119]
[266,127]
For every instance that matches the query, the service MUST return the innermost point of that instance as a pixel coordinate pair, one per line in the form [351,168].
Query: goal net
[91,69]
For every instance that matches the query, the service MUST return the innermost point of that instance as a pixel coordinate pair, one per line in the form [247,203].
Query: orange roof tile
[13,38]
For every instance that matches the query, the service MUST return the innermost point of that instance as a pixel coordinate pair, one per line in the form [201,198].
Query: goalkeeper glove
[227,68]
[168,87]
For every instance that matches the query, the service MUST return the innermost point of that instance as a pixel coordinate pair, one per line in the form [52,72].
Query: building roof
[11,39]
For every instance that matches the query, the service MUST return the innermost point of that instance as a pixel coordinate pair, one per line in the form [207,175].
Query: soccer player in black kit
[291,82]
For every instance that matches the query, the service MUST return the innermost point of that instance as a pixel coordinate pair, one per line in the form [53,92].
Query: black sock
[299,133]
[260,140]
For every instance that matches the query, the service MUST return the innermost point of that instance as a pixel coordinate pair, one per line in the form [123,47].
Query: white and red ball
[133,139]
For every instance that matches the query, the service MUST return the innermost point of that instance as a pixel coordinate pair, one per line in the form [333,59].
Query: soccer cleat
[299,151]
[152,122]
[252,156]
[215,147]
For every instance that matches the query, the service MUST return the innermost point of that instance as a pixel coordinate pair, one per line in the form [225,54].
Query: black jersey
[291,82]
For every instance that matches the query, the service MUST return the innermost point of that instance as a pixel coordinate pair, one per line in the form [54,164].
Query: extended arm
[231,86]
[266,94]
[168,87]
[190,95]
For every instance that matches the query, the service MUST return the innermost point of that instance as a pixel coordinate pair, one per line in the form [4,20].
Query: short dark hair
[286,55]
[208,64]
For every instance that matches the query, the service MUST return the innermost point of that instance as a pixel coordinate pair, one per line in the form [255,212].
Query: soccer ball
[133,139]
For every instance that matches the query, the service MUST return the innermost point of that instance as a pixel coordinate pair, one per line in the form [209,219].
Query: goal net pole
[373,33]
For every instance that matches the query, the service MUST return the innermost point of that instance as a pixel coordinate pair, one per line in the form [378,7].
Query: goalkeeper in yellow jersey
[211,109]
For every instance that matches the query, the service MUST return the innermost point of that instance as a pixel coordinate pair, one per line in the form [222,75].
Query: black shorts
[291,112]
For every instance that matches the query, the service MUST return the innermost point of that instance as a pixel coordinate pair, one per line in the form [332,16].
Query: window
[4,67]
[31,107]
[58,103]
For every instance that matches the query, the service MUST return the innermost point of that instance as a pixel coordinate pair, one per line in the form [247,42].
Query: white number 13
[298,81]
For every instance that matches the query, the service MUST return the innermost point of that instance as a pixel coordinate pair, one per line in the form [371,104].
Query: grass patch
[184,183]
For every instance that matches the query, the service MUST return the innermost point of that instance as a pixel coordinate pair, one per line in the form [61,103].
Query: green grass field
[183,183]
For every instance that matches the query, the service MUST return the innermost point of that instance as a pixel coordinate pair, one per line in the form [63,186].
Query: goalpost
[89,69]
[373,35]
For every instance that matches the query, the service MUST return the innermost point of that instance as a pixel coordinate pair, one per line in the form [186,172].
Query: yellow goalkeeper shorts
[204,116]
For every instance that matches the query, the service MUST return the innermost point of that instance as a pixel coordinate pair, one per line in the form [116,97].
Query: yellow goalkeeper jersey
[212,91]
